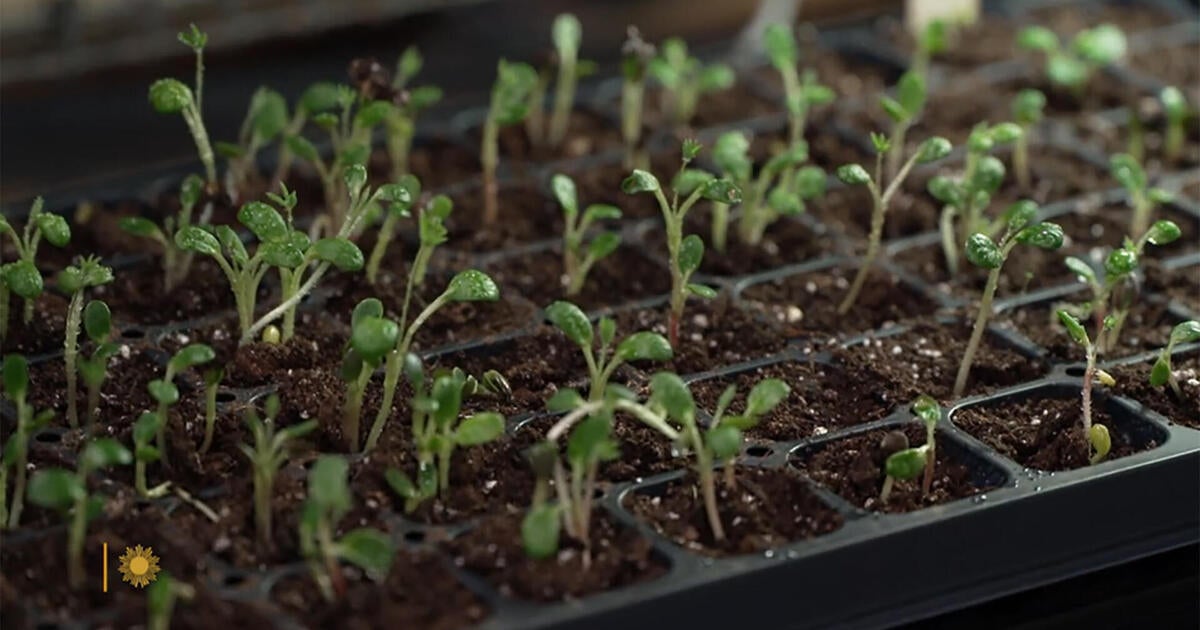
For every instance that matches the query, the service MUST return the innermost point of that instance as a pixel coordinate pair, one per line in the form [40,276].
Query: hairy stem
[877,218]
[632,93]
[985,311]
[75,540]
[210,416]
[20,465]
[70,354]
[381,244]
[564,97]
[1021,160]
[489,158]
[352,412]
[949,240]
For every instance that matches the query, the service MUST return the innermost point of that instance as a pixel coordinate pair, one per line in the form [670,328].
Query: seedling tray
[1019,528]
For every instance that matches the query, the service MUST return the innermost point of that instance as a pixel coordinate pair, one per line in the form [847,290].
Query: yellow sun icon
[139,566]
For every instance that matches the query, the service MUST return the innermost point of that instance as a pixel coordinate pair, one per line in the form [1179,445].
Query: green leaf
[722,190]
[327,486]
[368,307]
[1028,105]
[1121,262]
[780,45]
[700,290]
[566,32]
[228,149]
[55,488]
[473,285]
[1080,268]
[725,441]
[401,484]
[572,321]
[1174,103]
[195,239]
[368,549]
[688,180]
[103,453]
[984,253]
[766,395]
[564,400]
[373,337]
[163,392]
[946,190]
[16,375]
[170,96]
[287,253]
[139,226]
[192,355]
[1125,169]
[97,320]
[1063,69]
[303,147]
[564,192]
[146,428]
[264,221]
[480,428]
[1020,214]
[447,392]
[1185,332]
[604,245]
[146,453]
[989,174]
[1047,236]
[24,279]
[933,149]
[1101,45]
[906,464]
[1037,38]
[601,212]
[319,97]
[853,174]
[1005,132]
[638,182]
[1160,374]
[339,251]
[810,182]
[54,228]
[691,252]
[270,113]
[540,531]
[232,244]
[1074,328]
[730,153]
[910,92]
[670,392]
[927,409]
[893,109]
[370,115]
[608,330]
[590,439]
[1163,232]
[644,346]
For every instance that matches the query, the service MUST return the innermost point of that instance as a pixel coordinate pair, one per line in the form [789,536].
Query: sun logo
[139,566]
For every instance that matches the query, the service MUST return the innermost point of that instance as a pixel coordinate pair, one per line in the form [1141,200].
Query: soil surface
[1183,408]
[1146,328]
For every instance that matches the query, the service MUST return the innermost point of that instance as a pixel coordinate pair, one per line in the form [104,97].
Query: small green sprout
[399,209]
[73,281]
[542,525]
[567,34]
[67,492]
[636,55]
[983,252]
[1177,111]
[907,463]
[576,261]
[801,93]
[684,254]
[930,150]
[641,346]
[437,430]
[318,98]
[161,596]
[171,96]
[97,324]
[176,262]
[267,454]
[145,431]
[685,79]
[1072,67]
[372,336]
[966,197]
[165,393]
[1096,437]
[15,455]
[904,110]
[212,382]
[509,106]
[22,275]
[1162,374]
[402,124]
[1143,197]
[1027,111]
[329,501]
[266,120]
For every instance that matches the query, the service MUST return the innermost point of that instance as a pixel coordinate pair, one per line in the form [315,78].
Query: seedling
[212,382]
[509,106]
[903,110]
[15,455]
[932,149]
[724,436]
[165,393]
[73,281]
[640,346]
[176,263]
[409,103]
[1162,374]
[372,336]
[965,198]
[329,501]
[146,430]
[801,94]
[171,96]
[67,492]
[267,454]
[395,212]
[1177,111]
[1072,66]
[22,275]
[1143,197]
[907,463]
[97,324]
[318,98]
[161,596]
[1027,111]
[266,120]
[983,252]
[576,261]
[636,55]
[437,430]
[1096,436]
[684,254]
[567,33]
[685,79]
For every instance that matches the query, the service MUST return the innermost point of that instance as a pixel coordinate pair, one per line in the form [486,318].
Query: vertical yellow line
[105,579]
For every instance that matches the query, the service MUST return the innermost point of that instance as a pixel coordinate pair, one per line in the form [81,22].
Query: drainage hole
[1075,371]
[234,579]
[414,536]
[48,437]
[133,333]
[758,450]
[225,397]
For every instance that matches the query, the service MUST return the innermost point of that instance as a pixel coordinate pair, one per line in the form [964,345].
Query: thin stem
[489,158]
[632,93]
[949,242]
[868,261]
[1021,160]
[200,135]
[76,538]
[564,97]
[70,353]
[985,311]
[381,244]
[720,225]
[352,412]
[18,498]
[887,489]
[1089,375]
[210,416]
[290,303]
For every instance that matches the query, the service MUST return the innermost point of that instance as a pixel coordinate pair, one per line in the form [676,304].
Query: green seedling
[266,121]
[171,96]
[801,92]
[567,34]
[1142,197]
[22,275]
[1114,295]
[684,254]
[509,106]
[933,40]
[1162,374]
[724,437]
[267,453]
[67,492]
[577,261]
[684,79]
[161,596]
[145,432]
[329,501]
[319,98]
[1177,111]
[372,336]
[413,100]
[15,455]
[176,262]
[437,430]
[1027,111]
[1073,66]
[908,463]
[438,208]
[73,281]
[212,383]
[166,393]
[603,362]
[983,252]
[97,324]
[932,149]
[1096,436]
[904,110]
[636,55]
[965,198]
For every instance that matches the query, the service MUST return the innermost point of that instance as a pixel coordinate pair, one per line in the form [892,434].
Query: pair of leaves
[909,98]
[23,278]
[87,273]
[510,93]
[372,335]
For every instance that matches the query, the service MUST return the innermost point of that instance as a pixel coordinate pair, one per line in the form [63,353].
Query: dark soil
[787,241]
[847,211]
[850,74]
[619,557]
[1175,65]
[924,360]
[1133,382]
[644,451]
[436,162]
[44,333]
[620,278]
[1044,433]
[853,467]
[1181,285]
[524,216]
[1146,328]
[1114,137]
[588,133]
[136,294]
[768,508]
[823,398]
[805,304]
[712,109]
